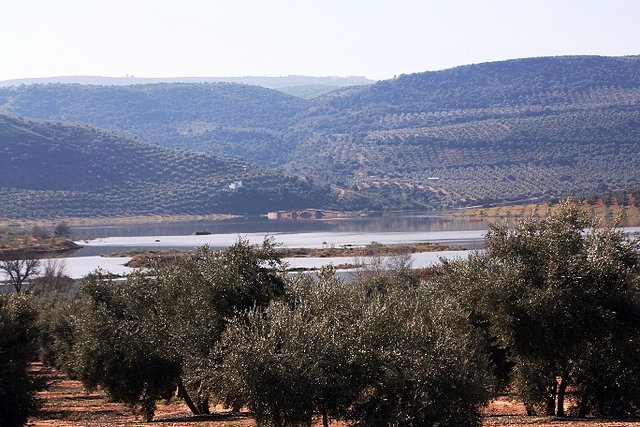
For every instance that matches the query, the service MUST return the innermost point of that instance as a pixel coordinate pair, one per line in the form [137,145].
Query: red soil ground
[66,404]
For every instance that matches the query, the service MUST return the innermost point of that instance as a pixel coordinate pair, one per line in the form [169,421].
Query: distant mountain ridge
[245,121]
[264,81]
[477,134]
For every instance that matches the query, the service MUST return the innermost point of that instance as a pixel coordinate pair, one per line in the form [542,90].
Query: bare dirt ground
[66,404]
[504,411]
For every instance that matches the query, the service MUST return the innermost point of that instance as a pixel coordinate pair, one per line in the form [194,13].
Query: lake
[403,227]
[390,228]
[401,222]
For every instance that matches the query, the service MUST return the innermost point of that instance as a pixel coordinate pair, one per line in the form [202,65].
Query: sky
[374,38]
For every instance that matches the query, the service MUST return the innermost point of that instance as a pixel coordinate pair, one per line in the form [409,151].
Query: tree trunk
[583,407]
[148,408]
[561,390]
[182,392]
[531,411]
[325,417]
[203,406]
[550,407]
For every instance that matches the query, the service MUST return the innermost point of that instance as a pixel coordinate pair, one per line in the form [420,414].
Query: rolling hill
[219,118]
[509,130]
[281,82]
[49,169]
[477,134]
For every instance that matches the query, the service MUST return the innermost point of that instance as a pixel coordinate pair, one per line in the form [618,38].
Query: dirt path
[66,404]
[506,412]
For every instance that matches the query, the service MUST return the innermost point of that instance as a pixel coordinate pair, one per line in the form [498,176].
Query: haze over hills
[510,130]
[304,86]
[51,169]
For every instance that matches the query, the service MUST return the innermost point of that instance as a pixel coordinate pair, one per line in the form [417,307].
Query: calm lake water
[388,229]
[391,228]
[399,222]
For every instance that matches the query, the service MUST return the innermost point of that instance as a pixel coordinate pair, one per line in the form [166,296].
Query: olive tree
[18,338]
[142,339]
[115,347]
[57,323]
[195,298]
[552,294]
[376,356]
[292,359]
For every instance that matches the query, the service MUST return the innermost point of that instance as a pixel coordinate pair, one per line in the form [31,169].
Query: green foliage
[392,357]
[562,298]
[212,287]
[141,339]
[18,337]
[116,349]
[57,317]
[606,376]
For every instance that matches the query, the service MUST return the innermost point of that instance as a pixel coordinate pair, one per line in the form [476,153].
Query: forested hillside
[219,118]
[502,131]
[49,169]
[490,132]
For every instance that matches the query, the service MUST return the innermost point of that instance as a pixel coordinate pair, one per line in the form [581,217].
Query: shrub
[17,349]
[395,356]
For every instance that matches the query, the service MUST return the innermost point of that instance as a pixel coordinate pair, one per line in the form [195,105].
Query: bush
[560,297]
[17,349]
[395,356]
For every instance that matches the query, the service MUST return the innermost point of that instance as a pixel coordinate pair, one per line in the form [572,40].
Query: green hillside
[218,118]
[308,91]
[50,169]
[502,131]
[509,130]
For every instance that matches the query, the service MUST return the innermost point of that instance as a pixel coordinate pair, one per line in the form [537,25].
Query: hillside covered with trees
[51,169]
[504,131]
[490,132]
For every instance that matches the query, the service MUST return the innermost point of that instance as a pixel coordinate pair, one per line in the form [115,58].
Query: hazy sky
[375,38]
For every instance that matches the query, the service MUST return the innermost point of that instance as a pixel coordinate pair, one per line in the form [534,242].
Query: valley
[511,131]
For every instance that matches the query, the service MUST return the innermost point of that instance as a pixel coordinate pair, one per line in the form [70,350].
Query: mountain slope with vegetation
[219,118]
[49,169]
[508,130]
[478,134]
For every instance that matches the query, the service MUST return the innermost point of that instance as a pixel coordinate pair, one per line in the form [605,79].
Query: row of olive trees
[230,327]
[546,307]
[381,352]
[554,304]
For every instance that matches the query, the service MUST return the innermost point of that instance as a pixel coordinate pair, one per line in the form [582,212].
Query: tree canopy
[557,294]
